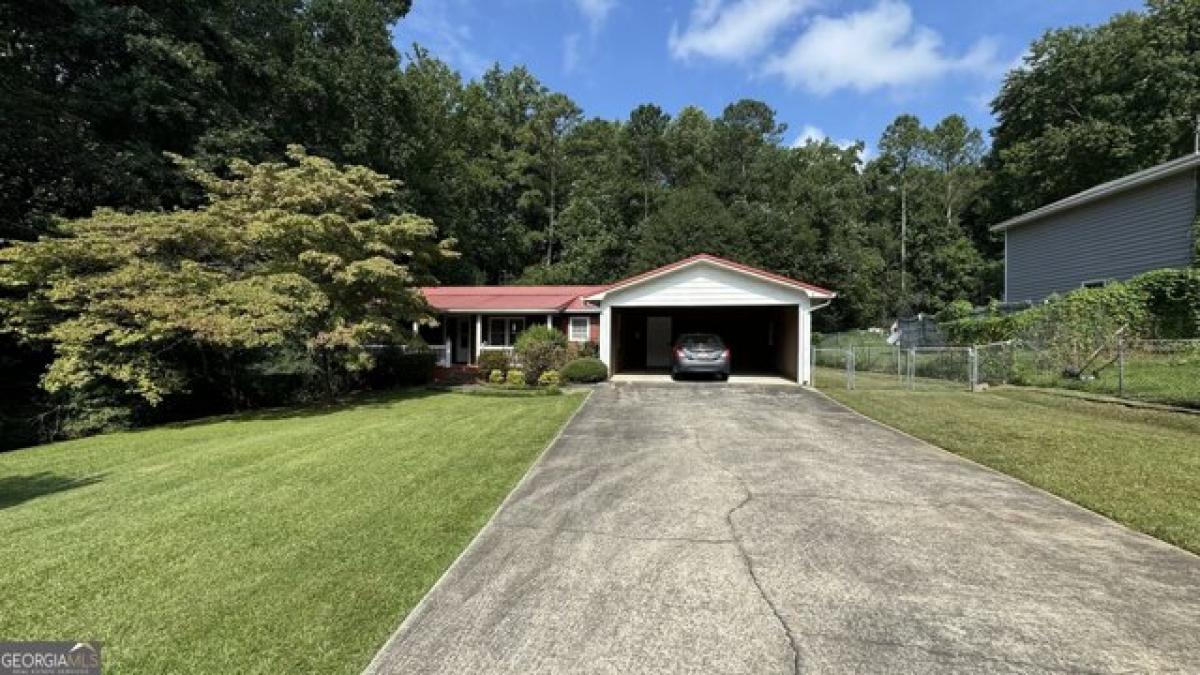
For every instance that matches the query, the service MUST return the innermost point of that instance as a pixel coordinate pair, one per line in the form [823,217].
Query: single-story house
[1112,232]
[764,318]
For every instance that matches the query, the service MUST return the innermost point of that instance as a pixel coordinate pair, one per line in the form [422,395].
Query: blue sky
[841,68]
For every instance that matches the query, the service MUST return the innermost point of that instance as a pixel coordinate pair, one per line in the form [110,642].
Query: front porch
[458,338]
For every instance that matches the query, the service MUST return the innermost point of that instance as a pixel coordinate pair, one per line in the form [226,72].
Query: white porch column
[549,323]
[606,336]
[804,358]
[478,338]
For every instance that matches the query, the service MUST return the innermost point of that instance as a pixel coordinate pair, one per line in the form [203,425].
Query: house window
[579,330]
[502,331]
[1094,283]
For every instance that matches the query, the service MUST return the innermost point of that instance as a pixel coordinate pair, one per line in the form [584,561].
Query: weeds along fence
[1154,371]
[916,368]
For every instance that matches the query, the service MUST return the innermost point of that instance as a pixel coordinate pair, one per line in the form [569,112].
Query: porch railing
[442,352]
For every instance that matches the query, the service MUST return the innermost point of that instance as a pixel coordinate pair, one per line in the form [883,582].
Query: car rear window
[700,342]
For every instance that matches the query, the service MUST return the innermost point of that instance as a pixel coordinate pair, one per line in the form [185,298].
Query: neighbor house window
[1094,283]
[579,330]
[502,331]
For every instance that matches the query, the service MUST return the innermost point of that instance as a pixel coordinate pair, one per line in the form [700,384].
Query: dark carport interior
[762,340]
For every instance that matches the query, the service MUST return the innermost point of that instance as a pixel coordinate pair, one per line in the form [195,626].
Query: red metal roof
[571,298]
[533,298]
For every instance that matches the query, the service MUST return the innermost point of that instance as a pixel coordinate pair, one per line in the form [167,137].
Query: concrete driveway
[711,528]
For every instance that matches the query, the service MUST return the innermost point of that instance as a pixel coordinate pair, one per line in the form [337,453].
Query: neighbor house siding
[1115,238]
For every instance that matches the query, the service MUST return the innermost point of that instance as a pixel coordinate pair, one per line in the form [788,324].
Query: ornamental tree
[302,258]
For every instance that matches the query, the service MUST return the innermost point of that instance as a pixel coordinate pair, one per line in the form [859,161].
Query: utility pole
[903,240]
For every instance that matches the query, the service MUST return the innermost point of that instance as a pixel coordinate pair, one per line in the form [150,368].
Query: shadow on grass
[367,400]
[15,490]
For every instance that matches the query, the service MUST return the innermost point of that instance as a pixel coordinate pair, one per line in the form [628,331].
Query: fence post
[1121,367]
[812,365]
[849,368]
[912,368]
[973,356]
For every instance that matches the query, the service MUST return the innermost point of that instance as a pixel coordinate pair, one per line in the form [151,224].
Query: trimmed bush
[549,379]
[516,378]
[540,348]
[493,360]
[584,370]
[496,377]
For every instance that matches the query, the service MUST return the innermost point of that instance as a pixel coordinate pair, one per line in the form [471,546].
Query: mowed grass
[270,543]
[1139,467]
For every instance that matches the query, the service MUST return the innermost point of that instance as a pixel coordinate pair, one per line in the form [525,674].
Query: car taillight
[725,354]
[679,353]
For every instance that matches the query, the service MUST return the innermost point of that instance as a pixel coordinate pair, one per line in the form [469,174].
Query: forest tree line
[99,96]
[533,189]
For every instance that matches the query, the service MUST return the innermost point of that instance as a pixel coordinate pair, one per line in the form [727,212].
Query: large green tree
[96,91]
[1092,104]
[292,260]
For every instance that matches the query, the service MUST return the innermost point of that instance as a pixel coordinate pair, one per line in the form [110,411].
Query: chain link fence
[916,368]
[1154,371]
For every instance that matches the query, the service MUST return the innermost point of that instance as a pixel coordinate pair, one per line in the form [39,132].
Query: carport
[762,340]
[764,318]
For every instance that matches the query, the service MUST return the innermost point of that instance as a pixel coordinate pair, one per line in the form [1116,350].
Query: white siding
[704,285]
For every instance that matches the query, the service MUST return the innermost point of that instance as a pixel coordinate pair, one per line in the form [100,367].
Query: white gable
[705,284]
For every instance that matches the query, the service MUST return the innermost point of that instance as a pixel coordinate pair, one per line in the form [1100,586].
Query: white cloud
[809,134]
[880,47]
[570,53]
[596,11]
[813,134]
[735,30]
[443,28]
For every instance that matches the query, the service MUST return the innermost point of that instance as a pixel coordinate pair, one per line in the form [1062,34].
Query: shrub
[1073,328]
[516,378]
[583,350]
[1173,301]
[540,348]
[496,377]
[956,311]
[549,378]
[987,329]
[540,333]
[395,367]
[491,360]
[584,370]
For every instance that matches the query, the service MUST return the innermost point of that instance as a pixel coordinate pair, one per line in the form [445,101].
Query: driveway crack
[747,561]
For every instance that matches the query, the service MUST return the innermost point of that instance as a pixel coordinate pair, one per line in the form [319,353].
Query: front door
[462,340]
[658,341]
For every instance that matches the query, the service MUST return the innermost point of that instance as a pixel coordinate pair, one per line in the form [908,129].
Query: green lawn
[1137,466]
[283,542]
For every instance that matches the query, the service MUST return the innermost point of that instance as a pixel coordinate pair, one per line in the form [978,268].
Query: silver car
[700,353]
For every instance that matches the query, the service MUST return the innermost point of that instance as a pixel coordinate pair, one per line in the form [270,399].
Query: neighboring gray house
[1114,231]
